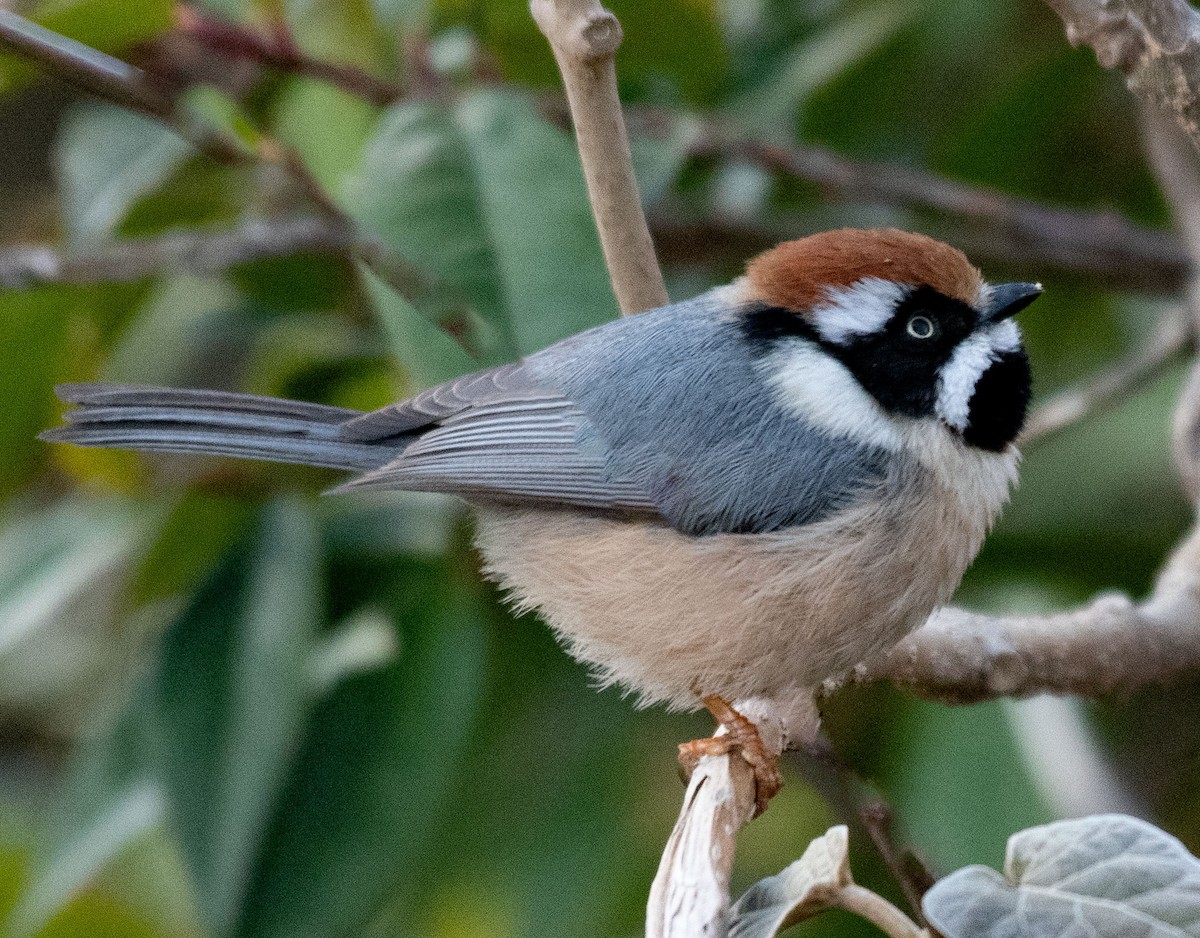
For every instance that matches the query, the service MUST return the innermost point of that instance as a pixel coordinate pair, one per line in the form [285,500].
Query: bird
[722,502]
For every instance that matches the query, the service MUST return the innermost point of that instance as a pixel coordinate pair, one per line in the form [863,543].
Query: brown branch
[195,252]
[279,52]
[82,66]
[1155,43]
[1015,232]
[1110,645]
[106,77]
[1064,237]
[584,37]
[910,873]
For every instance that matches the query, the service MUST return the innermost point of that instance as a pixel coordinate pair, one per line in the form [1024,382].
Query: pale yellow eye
[920,327]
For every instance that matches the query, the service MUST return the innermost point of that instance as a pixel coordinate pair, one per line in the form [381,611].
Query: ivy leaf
[799,892]
[1105,876]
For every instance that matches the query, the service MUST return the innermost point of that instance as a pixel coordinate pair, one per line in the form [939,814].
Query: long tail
[216,423]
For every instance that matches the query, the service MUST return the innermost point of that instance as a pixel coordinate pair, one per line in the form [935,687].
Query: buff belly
[672,617]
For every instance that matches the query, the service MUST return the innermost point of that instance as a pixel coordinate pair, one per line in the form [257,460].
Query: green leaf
[769,108]
[128,815]
[489,201]
[1106,876]
[804,889]
[380,758]
[416,191]
[535,203]
[106,159]
[33,355]
[327,127]
[107,25]
[62,578]
[227,704]
[428,354]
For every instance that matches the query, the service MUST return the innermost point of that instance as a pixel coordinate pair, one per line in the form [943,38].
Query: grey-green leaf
[799,892]
[106,160]
[1105,876]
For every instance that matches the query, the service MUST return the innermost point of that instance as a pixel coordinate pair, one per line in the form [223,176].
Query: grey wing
[497,434]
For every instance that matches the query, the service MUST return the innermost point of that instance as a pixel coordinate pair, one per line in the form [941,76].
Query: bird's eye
[920,327]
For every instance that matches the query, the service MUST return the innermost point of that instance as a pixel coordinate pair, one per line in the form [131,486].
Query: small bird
[732,498]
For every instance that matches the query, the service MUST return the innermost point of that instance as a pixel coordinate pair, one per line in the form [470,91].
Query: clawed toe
[741,735]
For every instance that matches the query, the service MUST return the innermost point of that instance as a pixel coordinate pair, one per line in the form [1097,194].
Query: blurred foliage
[235,708]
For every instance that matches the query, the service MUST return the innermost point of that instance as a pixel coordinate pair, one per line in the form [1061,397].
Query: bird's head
[902,317]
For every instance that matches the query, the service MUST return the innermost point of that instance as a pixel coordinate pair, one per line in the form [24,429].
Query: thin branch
[584,37]
[278,52]
[690,894]
[913,877]
[1059,237]
[82,66]
[1172,336]
[106,77]
[195,252]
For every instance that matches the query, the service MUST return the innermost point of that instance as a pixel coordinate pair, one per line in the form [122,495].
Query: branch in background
[195,252]
[1172,336]
[1091,242]
[277,51]
[1155,43]
[584,37]
[106,77]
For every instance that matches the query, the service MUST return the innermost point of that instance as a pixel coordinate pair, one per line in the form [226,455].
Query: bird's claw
[740,735]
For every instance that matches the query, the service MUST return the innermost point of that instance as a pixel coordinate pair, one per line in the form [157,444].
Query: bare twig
[82,66]
[196,252]
[106,77]
[585,37]
[1172,336]
[913,877]
[279,52]
[1155,43]
[1089,241]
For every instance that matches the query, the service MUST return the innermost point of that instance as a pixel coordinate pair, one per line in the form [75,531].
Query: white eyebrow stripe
[862,308]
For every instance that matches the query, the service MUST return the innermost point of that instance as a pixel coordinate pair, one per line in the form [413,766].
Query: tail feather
[216,423]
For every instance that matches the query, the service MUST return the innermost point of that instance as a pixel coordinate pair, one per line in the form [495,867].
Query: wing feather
[497,435]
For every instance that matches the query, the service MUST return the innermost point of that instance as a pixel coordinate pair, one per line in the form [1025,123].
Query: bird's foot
[740,735]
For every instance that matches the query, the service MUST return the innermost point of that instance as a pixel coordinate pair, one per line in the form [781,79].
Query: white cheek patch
[821,391]
[859,309]
[974,355]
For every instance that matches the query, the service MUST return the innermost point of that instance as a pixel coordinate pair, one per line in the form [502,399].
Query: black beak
[1008,299]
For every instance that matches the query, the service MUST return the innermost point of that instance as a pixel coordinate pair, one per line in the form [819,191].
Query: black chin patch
[997,409]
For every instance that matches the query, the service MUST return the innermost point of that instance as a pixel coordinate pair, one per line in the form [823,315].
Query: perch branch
[584,37]
[690,894]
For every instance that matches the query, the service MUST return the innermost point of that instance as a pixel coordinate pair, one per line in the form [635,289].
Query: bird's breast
[669,615]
